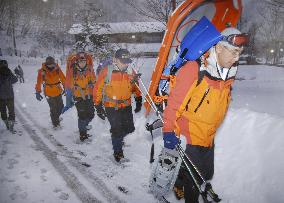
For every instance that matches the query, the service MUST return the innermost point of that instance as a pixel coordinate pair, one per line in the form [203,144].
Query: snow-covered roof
[121,27]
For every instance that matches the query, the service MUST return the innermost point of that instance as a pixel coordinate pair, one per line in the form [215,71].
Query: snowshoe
[164,173]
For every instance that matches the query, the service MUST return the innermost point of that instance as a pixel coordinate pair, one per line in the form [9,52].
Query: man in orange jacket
[80,79]
[52,79]
[113,90]
[198,103]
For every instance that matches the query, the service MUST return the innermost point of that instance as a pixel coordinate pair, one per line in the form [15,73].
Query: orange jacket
[52,81]
[117,92]
[196,111]
[81,83]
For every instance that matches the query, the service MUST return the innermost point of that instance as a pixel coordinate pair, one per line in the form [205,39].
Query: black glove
[38,96]
[100,111]
[138,104]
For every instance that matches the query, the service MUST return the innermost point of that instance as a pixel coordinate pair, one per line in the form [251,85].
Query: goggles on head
[238,40]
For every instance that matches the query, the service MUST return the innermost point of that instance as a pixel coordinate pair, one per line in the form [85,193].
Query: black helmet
[3,63]
[49,60]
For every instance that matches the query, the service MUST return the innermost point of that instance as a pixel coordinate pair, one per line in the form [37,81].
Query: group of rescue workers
[110,93]
[196,106]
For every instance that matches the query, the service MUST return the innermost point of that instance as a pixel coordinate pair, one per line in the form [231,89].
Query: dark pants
[55,106]
[21,78]
[203,159]
[7,104]
[86,112]
[121,122]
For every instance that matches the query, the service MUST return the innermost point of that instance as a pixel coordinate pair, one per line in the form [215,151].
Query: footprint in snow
[43,170]
[43,178]
[63,196]
[56,190]
[11,163]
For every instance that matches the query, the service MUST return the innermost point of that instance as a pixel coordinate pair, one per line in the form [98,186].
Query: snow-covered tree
[158,10]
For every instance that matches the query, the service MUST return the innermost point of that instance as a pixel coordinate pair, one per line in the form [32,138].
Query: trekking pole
[152,106]
[150,127]
[205,188]
[149,99]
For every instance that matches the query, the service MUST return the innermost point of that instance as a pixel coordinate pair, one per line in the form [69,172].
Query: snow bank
[248,160]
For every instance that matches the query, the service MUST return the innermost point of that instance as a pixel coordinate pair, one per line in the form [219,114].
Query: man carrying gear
[113,90]
[51,77]
[80,79]
[198,103]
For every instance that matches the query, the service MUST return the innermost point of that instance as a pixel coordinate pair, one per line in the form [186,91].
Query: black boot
[11,126]
[83,136]
[7,124]
[118,156]
[179,192]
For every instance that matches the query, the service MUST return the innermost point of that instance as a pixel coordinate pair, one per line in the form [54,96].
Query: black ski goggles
[238,40]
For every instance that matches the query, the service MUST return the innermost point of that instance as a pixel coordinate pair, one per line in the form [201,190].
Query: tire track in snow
[91,177]
[72,181]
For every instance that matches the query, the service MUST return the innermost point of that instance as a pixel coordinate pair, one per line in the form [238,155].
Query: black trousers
[121,122]
[86,112]
[55,107]
[7,104]
[203,159]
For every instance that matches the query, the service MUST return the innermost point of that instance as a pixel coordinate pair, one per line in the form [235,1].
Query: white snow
[248,148]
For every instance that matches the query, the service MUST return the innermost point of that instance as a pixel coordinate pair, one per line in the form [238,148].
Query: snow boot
[11,126]
[179,192]
[83,136]
[118,156]
[7,124]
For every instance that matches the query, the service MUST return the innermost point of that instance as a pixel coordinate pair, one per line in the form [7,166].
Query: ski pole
[156,124]
[152,103]
[189,170]
[191,163]
[205,188]
[145,97]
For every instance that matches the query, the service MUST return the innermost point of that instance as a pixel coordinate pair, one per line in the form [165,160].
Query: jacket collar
[211,66]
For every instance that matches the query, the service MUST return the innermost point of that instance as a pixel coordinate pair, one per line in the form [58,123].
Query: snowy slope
[248,162]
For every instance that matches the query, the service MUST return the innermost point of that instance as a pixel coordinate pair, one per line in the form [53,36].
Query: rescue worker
[80,79]
[197,106]
[7,79]
[51,77]
[113,90]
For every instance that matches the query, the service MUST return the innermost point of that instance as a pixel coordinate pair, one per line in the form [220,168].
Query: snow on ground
[46,165]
